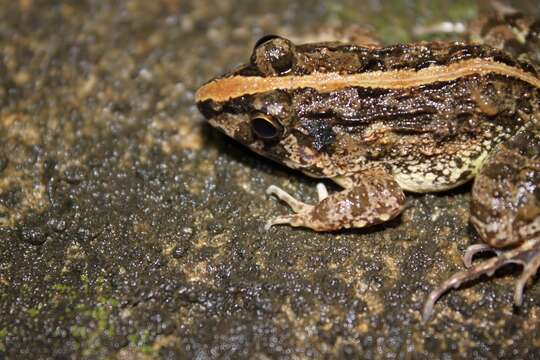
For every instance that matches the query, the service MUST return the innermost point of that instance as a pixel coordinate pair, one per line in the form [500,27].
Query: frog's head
[254,105]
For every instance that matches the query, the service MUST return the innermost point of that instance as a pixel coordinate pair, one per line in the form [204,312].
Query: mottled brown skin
[505,211]
[354,127]
[506,194]
[505,206]
[377,141]
[305,59]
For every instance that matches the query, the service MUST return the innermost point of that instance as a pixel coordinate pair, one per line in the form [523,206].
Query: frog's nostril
[208,108]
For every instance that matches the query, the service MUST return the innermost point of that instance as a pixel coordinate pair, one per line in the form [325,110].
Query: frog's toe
[529,270]
[527,254]
[475,249]
[488,267]
[307,218]
[322,192]
[296,205]
[292,220]
[276,221]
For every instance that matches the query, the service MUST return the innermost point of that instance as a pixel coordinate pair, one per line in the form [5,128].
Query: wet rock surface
[131,229]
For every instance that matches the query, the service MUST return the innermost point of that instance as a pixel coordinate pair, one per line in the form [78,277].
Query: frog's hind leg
[505,211]
[527,254]
[372,197]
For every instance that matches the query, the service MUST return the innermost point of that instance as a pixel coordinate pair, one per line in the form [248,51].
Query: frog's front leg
[505,212]
[370,197]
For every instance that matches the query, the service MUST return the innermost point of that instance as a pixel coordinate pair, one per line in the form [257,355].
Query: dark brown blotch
[321,131]
[208,108]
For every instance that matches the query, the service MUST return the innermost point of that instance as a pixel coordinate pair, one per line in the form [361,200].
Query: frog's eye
[265,127]
[273,55]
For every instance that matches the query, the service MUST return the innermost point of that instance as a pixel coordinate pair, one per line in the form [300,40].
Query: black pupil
[264,128]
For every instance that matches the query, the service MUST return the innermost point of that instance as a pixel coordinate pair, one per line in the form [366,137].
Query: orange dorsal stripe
[235,86]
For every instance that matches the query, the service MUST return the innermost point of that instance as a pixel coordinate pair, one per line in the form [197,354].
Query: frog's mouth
[229,125]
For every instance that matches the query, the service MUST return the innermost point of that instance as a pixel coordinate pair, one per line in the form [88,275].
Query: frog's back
[435,136]
[431,112]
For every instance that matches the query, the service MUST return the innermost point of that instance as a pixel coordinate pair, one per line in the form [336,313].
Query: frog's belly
[436,174]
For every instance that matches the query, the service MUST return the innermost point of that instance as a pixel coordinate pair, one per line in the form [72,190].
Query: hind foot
[527,255]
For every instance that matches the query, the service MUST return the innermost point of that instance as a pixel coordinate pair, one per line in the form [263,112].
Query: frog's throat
[223,89]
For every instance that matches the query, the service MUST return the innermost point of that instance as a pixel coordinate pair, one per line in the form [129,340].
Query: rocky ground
[130,229]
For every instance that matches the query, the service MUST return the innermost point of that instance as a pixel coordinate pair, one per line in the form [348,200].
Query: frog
[380,121]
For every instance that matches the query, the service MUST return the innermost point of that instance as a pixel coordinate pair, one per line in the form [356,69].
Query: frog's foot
[527,254]
[371,198]
[300,208]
